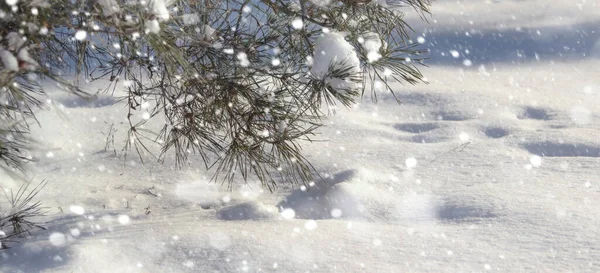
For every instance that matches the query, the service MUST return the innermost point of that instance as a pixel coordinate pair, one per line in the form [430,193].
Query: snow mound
[363,195]
[324,200]
[348,194]
[251,210]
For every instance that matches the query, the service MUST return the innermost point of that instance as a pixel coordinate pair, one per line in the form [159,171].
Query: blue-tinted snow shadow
[35,252]
[317,202]
[93,102]
[515,45]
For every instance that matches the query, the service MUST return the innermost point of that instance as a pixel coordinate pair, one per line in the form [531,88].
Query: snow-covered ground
[493,166]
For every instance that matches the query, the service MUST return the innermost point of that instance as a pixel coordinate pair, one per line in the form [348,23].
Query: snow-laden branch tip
[333,51]
[9,61]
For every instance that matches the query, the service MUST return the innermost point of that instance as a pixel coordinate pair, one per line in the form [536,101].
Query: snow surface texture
[519,194]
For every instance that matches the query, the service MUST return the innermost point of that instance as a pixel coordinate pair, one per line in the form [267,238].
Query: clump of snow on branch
[209,33]
[109,7]
[332,50]
[153,26]
[15,41]
[39,3]
[16,44]
[160,8]
[321,3]
[372,44]
[9,61]
[24,56]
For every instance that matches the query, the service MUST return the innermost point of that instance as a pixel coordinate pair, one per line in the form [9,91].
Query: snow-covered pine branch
[240,83]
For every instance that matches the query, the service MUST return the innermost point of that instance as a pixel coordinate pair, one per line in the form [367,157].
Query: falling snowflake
[288,214]
[310,225]
[410,162]
[297,23]
[535,161]
[80,35]
[243,58]
[57,239]
[124,219]
[79,210]
[336,213]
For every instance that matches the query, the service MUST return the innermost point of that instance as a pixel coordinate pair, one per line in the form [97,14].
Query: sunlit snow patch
[418,207]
